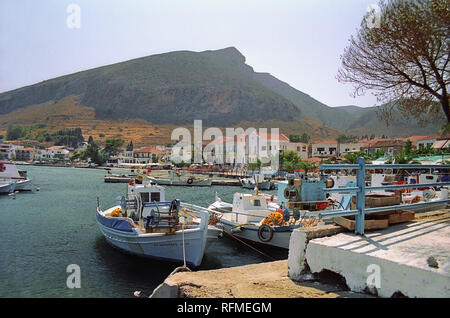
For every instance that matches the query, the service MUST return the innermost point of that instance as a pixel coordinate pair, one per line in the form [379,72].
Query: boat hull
[7,188]
[201,183]
[160,246]
[280,238]
[24,185]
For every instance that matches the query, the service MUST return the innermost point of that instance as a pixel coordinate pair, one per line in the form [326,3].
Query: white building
[127,156]
[9,151]
[55,152]
[299,147]
[350,147]
[325,148]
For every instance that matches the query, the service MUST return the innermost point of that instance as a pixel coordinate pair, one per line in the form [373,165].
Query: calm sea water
[44,231]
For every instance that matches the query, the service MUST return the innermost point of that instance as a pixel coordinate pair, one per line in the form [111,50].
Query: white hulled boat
[256,217]
[7,187]
[177,178]
[9,173]
[256,180]
[144,224]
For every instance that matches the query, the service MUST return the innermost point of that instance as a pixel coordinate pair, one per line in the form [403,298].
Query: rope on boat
[248,245]
[184,248]
[183,268]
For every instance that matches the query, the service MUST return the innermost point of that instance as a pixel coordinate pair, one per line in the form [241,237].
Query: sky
[298,41]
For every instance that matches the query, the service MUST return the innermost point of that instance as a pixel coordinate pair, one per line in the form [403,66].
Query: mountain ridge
[175,88]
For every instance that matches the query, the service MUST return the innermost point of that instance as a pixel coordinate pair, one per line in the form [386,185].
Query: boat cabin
[250,207]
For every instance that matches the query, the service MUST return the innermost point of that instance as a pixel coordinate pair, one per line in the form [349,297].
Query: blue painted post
[360,195]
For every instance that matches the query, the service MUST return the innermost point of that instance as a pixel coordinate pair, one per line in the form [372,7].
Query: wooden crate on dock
[376,221]
[401,216]
[368,224]
[377,200]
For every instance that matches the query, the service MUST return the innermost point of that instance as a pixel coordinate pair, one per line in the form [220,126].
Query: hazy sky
[298,41]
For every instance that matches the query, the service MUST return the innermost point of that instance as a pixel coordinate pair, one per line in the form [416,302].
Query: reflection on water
[45,231]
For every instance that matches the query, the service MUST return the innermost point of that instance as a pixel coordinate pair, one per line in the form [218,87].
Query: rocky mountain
[171,88]
[177,87]
[350,119]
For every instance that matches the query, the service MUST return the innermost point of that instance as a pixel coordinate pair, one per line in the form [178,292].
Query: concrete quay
[264,280]
[409,259]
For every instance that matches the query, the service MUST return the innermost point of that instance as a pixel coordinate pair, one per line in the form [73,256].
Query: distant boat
[258,179]
[9,173]
[177,178]
[146,225]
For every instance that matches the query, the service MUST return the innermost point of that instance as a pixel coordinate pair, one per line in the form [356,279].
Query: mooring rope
[184,248]
[253,248]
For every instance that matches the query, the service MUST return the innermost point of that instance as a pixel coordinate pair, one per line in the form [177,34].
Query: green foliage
[39,126]
[43,135]
[16,132]
[94,153]
[299,138]
[130,146]
[344,139]
[101,135]
[353,156]
[68,137]
[407,154]
[75,155]
[112,145]
[291,161]
[254,165]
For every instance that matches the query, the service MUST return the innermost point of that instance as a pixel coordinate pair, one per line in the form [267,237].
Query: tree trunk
[445,106]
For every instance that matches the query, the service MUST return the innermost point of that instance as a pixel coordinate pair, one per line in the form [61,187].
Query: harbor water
[45,231]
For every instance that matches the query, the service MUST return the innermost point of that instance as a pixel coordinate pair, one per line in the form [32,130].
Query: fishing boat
[145,224]
[257,180]
[252,217]
[7,187]
[10,173]
[178,178]
[433,195]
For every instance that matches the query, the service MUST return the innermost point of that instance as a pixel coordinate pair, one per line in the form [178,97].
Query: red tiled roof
[417,138]
[385,143]
[25,149]
[270,136]
[148,150]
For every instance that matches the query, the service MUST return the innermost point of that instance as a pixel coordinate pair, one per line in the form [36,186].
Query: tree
[112,145]
[305,138]
[291,160]
[93,152]
[254,165]
[16,132]
[403,60]
[130,146]
[294,138]
[90,140]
